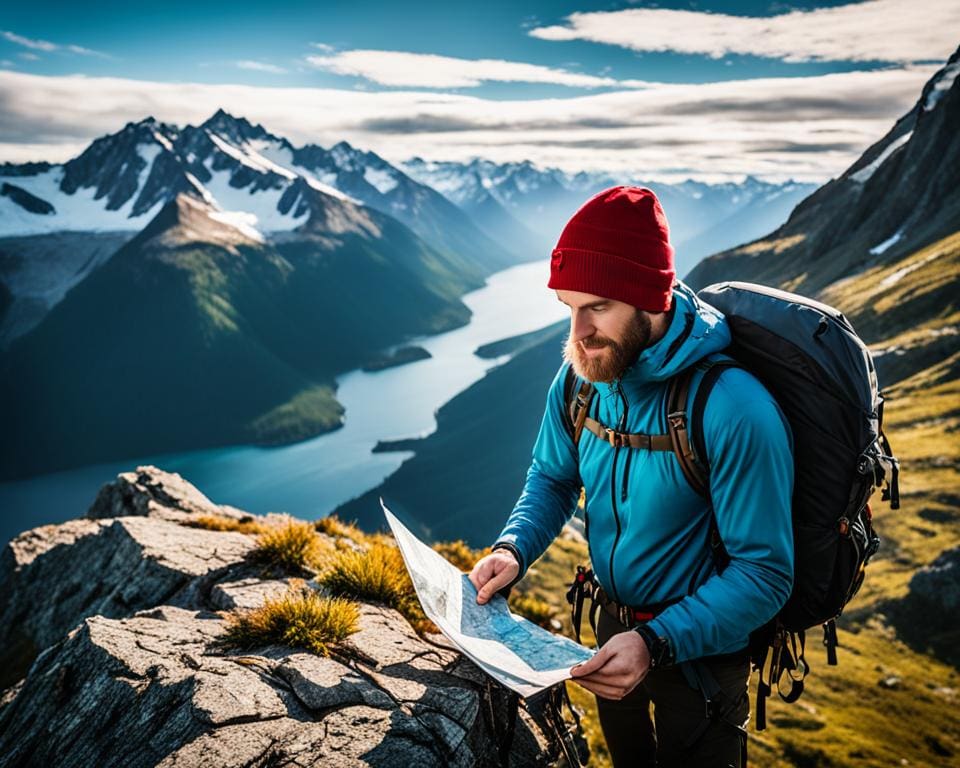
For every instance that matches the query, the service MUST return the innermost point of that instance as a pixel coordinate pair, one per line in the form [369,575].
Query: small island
[400,356]
[516,344]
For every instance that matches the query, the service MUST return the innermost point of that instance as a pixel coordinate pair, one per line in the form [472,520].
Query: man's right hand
[492,573]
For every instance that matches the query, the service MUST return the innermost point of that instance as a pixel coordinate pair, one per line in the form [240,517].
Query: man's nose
[580,326]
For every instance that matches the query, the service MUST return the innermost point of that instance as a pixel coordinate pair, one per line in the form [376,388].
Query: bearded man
[674,625]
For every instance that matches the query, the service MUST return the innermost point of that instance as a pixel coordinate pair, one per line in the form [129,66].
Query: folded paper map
[514,651]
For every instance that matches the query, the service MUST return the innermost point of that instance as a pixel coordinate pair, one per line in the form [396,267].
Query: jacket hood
[696,330]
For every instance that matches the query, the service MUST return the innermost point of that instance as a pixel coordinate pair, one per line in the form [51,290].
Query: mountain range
[531,205]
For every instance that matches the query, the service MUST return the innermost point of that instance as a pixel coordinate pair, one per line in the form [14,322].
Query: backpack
[822,376]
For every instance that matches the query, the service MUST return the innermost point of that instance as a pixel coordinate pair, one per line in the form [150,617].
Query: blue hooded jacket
[648,532]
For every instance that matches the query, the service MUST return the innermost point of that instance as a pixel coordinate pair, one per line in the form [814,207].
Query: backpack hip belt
[585,585]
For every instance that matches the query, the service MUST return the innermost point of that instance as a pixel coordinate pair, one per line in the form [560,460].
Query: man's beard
[617,355]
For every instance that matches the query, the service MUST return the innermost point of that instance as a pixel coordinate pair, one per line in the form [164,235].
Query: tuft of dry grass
[377,575]
[460,553]
[333,526]
[294,547]
[302,618]
[246,524]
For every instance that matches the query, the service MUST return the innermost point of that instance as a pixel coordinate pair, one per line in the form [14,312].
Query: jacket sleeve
[552,486]
[749,449]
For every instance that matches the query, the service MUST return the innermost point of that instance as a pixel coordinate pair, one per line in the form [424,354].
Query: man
[633,326]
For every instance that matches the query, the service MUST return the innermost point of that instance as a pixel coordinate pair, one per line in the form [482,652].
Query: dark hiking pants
[634,738]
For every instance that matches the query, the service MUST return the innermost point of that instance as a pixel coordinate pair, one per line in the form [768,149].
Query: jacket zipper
[613,490]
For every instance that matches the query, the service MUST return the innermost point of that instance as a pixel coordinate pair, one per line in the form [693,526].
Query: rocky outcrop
[119,616]
[926,616]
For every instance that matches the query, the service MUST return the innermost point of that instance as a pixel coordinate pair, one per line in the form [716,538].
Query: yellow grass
[302,618]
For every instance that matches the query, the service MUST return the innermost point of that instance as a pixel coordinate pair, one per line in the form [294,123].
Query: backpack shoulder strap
[577,395]
[686,430]
[713,370]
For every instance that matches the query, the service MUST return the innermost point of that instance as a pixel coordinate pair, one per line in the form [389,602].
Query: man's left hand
[617,667]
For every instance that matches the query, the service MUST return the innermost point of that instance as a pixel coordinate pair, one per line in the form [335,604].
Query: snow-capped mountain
[121,181]
[704,218]
[58,222]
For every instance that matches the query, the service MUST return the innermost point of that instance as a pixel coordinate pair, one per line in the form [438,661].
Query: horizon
[779,92]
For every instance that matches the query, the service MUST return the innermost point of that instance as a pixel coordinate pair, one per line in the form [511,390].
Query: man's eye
[599,309]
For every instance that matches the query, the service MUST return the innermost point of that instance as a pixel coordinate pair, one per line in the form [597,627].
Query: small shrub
[377,575]
[294,547]
[336,528]
[246,524]
[302,618]
[532,608]
[460,554]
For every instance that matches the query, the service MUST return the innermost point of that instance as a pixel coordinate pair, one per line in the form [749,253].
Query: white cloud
[323,47]
[877,30]
[425,70]
[259,66]
[46,45]
[80,50]
[39,45]
[26,55]
[808,128]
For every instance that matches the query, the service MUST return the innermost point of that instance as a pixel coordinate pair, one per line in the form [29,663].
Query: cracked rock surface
[119,615]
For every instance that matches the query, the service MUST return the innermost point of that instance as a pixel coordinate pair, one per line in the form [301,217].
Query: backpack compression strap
[677,439]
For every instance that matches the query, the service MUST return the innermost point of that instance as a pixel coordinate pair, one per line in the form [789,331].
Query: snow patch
[80,211]
[896,277]
[888,243]
[263,204]
[943,84]
[863,174]
[381,179]
[197,185]
[239,220]
[250,158]
[163,141]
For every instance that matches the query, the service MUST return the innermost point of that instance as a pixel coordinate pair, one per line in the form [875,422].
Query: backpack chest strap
[624,439]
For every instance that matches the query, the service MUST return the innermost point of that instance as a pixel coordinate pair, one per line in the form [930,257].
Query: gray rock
[246,593]
[155,689]
[938,585]
[118,616]
[151,492]
[54,576]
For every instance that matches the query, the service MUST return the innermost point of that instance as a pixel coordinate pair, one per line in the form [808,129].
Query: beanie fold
[613,277]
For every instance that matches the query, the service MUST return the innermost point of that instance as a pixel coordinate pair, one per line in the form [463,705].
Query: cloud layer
[878,30]
[424,70]
[808,128]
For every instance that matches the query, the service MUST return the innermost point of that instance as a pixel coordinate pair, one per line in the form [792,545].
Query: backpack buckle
[677,419]
[615,438]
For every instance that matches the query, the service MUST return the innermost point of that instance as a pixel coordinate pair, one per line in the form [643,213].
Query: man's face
[605,335]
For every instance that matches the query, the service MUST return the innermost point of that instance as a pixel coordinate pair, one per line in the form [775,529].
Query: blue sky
[573,84]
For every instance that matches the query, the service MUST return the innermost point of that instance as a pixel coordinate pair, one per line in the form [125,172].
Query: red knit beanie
[617,246]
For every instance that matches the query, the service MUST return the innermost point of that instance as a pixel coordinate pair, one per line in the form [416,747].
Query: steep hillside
[900,196]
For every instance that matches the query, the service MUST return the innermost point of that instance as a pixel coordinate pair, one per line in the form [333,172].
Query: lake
[311,478]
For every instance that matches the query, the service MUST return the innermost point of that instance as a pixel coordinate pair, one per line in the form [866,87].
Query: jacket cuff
[512,549]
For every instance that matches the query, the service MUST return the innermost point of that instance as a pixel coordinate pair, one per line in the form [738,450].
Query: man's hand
[492,573]
[617,667]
